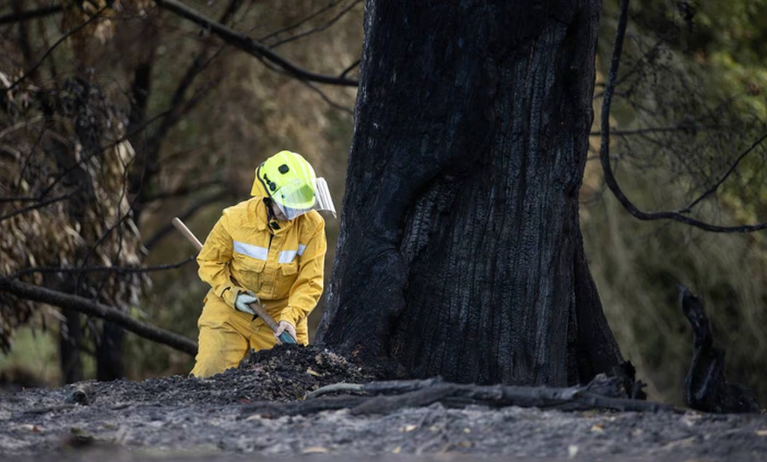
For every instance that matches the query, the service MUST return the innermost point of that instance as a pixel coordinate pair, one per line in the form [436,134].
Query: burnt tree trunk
[460,252]
[70,337]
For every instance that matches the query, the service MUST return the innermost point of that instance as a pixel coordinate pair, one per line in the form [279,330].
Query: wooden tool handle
[188,234]
[256,307]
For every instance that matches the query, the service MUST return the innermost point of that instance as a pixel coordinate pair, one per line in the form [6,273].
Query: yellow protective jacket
[284,267]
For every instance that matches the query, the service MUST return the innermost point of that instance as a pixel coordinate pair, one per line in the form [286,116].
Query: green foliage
[35,354]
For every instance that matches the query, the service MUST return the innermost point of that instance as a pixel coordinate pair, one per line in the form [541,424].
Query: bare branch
[93,308]
[112,145]
[303,21]
[351,67]
[605,149]
[36,206]
[54,46]
[249,45]
[103,269]
[674,128]
[180,191]
[713,188]
[327,99]
[19,199]
[321,28]
[14,18]
[194,208]
[148,156]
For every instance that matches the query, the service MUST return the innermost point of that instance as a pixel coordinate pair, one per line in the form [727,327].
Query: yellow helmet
[289,180]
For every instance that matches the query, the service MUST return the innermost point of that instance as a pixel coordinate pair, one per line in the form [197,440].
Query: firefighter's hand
[285,326]
[243,300]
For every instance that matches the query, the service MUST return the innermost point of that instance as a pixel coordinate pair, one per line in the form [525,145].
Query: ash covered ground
[178,418]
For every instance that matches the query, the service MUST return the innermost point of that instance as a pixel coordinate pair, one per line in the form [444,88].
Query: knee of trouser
[262,339]
[215,313]
[207,367]
[210,361]
[220,347]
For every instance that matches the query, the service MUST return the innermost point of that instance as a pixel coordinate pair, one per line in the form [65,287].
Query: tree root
[390,396]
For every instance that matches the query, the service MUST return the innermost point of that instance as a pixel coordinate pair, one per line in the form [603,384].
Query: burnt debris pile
[284,373]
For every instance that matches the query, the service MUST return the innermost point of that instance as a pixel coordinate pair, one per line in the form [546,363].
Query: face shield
[296,198]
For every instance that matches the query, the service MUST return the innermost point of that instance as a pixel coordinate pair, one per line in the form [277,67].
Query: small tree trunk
[460,252]
[70,358]
[109,353]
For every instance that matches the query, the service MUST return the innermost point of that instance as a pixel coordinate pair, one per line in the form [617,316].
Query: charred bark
[109,353]
[459,251]
[706,386]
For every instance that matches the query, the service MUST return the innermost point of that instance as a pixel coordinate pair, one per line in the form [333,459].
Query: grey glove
[243,299]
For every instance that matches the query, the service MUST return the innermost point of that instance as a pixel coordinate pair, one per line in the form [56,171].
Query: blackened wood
[417,398]
[270,409]
[459,251]
[706,386]
[392,396]
[109,353]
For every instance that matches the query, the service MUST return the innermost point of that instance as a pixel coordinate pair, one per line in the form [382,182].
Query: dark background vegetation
[200,114]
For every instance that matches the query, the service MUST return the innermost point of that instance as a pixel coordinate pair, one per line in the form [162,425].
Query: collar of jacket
[261,217]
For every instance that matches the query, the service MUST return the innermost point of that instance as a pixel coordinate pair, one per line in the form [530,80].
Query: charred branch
[390,396]
[706,386]
[93,308]
[351,67]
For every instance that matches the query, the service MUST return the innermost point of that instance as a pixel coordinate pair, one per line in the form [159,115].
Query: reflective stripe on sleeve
[253,251]
[301,249]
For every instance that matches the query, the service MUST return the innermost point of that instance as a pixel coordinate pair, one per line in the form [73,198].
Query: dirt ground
[177,418]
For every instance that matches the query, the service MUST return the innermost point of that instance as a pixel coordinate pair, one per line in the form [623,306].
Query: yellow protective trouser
[227,335]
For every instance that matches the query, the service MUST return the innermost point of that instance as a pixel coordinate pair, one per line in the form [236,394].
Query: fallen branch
[390,396]
[92,308]
[270,409]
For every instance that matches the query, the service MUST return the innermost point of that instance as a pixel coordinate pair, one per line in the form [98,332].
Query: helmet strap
[270,214]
